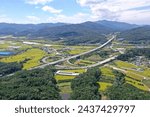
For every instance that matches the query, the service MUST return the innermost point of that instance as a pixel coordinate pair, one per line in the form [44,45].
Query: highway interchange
[84,53]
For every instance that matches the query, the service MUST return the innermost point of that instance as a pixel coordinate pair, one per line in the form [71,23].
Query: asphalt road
[75,56]
[93,65]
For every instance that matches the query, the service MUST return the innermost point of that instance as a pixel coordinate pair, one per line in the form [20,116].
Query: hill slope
[87,32]
[14,29]
[117,26]
[140,34]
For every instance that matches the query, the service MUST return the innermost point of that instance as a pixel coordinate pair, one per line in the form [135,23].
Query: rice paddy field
[13,45]
[31,53]
[104,86]
[65,87]
[63,77]
[144,73]
[131,78]
[147,82]
[75,70]
[106,71]
[31,56]
[123,64]
[137,76]
[83,62]
[137,84]
[79,49]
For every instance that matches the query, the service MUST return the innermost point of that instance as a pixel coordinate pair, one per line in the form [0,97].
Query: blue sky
[74,11]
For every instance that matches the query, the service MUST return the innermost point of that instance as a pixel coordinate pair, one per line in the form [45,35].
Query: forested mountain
[117,26]
[76,33]
[87,32]
[16,29]
[140,34]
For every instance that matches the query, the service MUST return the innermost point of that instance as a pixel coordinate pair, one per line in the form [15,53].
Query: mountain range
[137,35]
[87,32]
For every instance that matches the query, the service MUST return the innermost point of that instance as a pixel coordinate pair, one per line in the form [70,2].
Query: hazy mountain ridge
[14,29]
[140,34]
[87,32]
[117,26]
[99,26]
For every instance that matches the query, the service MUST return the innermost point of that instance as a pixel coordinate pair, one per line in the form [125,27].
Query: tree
[120,78]
[8,68]
[38,84]
[126,92]
[85,86]
[120,90]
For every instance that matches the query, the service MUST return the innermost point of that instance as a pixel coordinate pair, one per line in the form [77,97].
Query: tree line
[8,68]
[130,54]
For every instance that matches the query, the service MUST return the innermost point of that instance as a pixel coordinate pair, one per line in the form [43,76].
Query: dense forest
[85,86]
[130,54]
[40,84]
[137,35]
[36,84]
[120,90]
[8,68]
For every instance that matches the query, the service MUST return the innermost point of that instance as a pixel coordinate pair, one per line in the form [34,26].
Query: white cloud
[139,17]
[33,19]
[38,1]
[51,10]
[77,18]
[4,18]
[121,10]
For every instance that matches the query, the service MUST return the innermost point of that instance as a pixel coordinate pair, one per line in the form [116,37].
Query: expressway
[89,66]
[75,56]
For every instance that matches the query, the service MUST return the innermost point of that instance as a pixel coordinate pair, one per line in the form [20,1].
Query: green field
[107,71]
[75,70]
[62,77]
[134,75]
[147,82]
[33,56]
[131,78]
[65,87]
[79,49]
[137,84]
[145,72]
[123,64]
[83,62]
[94,58]
[13,44]
[4,46]
[104,85]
